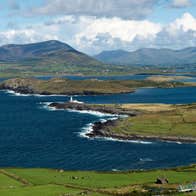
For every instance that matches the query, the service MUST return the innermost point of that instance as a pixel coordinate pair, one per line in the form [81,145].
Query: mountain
[49,57]
[52,51]
[149,56]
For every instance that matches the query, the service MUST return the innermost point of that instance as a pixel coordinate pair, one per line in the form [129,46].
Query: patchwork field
[159,120]
[49,182]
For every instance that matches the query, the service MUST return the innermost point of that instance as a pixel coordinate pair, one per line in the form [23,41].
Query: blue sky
[92,26]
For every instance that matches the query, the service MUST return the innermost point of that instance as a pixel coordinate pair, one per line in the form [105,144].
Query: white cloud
[180,3]
[103,34]
[185,23]
[25,36]
[114,29]
[93,34]
[178,34]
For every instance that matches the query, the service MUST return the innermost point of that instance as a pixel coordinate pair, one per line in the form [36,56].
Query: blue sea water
[124,77]
[31,135]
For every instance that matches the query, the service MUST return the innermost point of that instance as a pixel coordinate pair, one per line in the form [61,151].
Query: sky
[92,26]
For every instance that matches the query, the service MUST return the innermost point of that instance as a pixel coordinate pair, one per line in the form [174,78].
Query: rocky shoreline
[96,108]
[100,129]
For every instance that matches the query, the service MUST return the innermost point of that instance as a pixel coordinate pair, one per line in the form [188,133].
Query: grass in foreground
[48,182]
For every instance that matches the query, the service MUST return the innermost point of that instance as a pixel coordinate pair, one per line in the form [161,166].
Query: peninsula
[62,86]
[143,122]
[163,122]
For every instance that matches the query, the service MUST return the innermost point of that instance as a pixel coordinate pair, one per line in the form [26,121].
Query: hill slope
[149,56]
[49,57]
[53,51]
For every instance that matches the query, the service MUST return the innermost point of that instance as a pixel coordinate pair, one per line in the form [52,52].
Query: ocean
[33,135]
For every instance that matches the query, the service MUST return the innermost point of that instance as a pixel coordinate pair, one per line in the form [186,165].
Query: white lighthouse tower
[74,101]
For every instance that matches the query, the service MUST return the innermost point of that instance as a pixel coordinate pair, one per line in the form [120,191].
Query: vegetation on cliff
[82,87]
[157,121]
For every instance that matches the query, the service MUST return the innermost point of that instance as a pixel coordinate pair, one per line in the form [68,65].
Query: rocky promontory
[136,115]
[107,109]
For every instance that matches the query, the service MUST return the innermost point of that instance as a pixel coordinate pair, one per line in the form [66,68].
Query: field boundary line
[15,177]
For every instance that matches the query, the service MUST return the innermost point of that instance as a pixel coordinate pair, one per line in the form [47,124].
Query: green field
[154,120]
[57,68]
[50,182]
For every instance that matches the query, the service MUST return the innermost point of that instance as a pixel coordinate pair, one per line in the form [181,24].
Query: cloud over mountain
[93,26]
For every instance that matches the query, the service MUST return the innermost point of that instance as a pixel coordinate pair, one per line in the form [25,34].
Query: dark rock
[162,181]
[97,108]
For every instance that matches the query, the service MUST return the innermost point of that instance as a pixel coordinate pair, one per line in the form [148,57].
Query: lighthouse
[74,101]
[71,99]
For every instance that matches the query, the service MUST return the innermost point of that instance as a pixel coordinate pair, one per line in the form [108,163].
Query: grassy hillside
[59,68]
[50,57]
[157,120]
[44,53]
[71,87]
[48,182]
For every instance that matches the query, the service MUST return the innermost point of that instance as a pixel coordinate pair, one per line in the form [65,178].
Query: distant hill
[149,56]
[49,57]
[44,52]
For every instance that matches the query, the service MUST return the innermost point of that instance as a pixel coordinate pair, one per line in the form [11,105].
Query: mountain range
[149,56]
[49,57]
[55,57]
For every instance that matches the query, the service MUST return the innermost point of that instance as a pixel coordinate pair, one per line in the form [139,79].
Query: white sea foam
[45,105]
[35,95]
[145,159]
[115,170]
[126,141]
[175,142]
[86,130]
[89,128]
[95,113]
[16,94]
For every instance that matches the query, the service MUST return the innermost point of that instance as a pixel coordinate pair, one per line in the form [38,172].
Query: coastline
[63,86]
[100,129]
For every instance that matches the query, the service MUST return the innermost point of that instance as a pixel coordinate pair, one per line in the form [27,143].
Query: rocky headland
[110,128]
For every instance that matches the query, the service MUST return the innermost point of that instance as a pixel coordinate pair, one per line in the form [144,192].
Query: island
[146,122]
[151,122]
[142,122]
[63,86]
